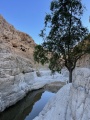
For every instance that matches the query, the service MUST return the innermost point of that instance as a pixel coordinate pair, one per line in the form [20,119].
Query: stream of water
[29,107]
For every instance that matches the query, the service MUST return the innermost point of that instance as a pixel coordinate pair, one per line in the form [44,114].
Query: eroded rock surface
[79,104]
[84,61]
[16,64]
[72,102]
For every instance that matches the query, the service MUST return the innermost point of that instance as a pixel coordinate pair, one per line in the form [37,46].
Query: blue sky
[28,15]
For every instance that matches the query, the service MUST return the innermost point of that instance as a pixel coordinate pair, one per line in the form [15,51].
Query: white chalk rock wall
[79,104]
[16,62]
[14,80]
[72,102]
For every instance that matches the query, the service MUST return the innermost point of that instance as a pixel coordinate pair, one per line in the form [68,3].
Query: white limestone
[55,109]
[72,102]
[14,88]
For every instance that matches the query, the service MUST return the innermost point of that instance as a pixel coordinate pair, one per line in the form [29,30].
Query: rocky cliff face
[84,61]
[16,63]
[20,43]
[16,50]
[79,101]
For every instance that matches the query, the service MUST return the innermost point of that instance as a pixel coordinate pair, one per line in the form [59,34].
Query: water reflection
[28,108]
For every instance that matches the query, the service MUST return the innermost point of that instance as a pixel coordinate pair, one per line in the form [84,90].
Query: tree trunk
[70,76]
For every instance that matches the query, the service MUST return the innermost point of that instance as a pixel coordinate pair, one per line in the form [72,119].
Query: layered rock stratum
[16,62]
[17,75]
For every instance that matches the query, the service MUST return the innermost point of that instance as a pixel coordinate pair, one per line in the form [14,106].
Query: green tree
[63,36]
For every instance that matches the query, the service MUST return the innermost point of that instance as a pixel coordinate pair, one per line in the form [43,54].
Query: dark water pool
[29,107]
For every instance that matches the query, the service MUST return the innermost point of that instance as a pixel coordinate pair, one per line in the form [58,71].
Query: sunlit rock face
[18,42]
[72,102]
[84,61]
[16,64]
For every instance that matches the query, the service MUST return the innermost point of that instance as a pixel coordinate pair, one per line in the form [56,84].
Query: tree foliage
[63,35]
[40,55]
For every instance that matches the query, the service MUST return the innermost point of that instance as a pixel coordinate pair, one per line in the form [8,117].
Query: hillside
[17,42]
[16,64]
